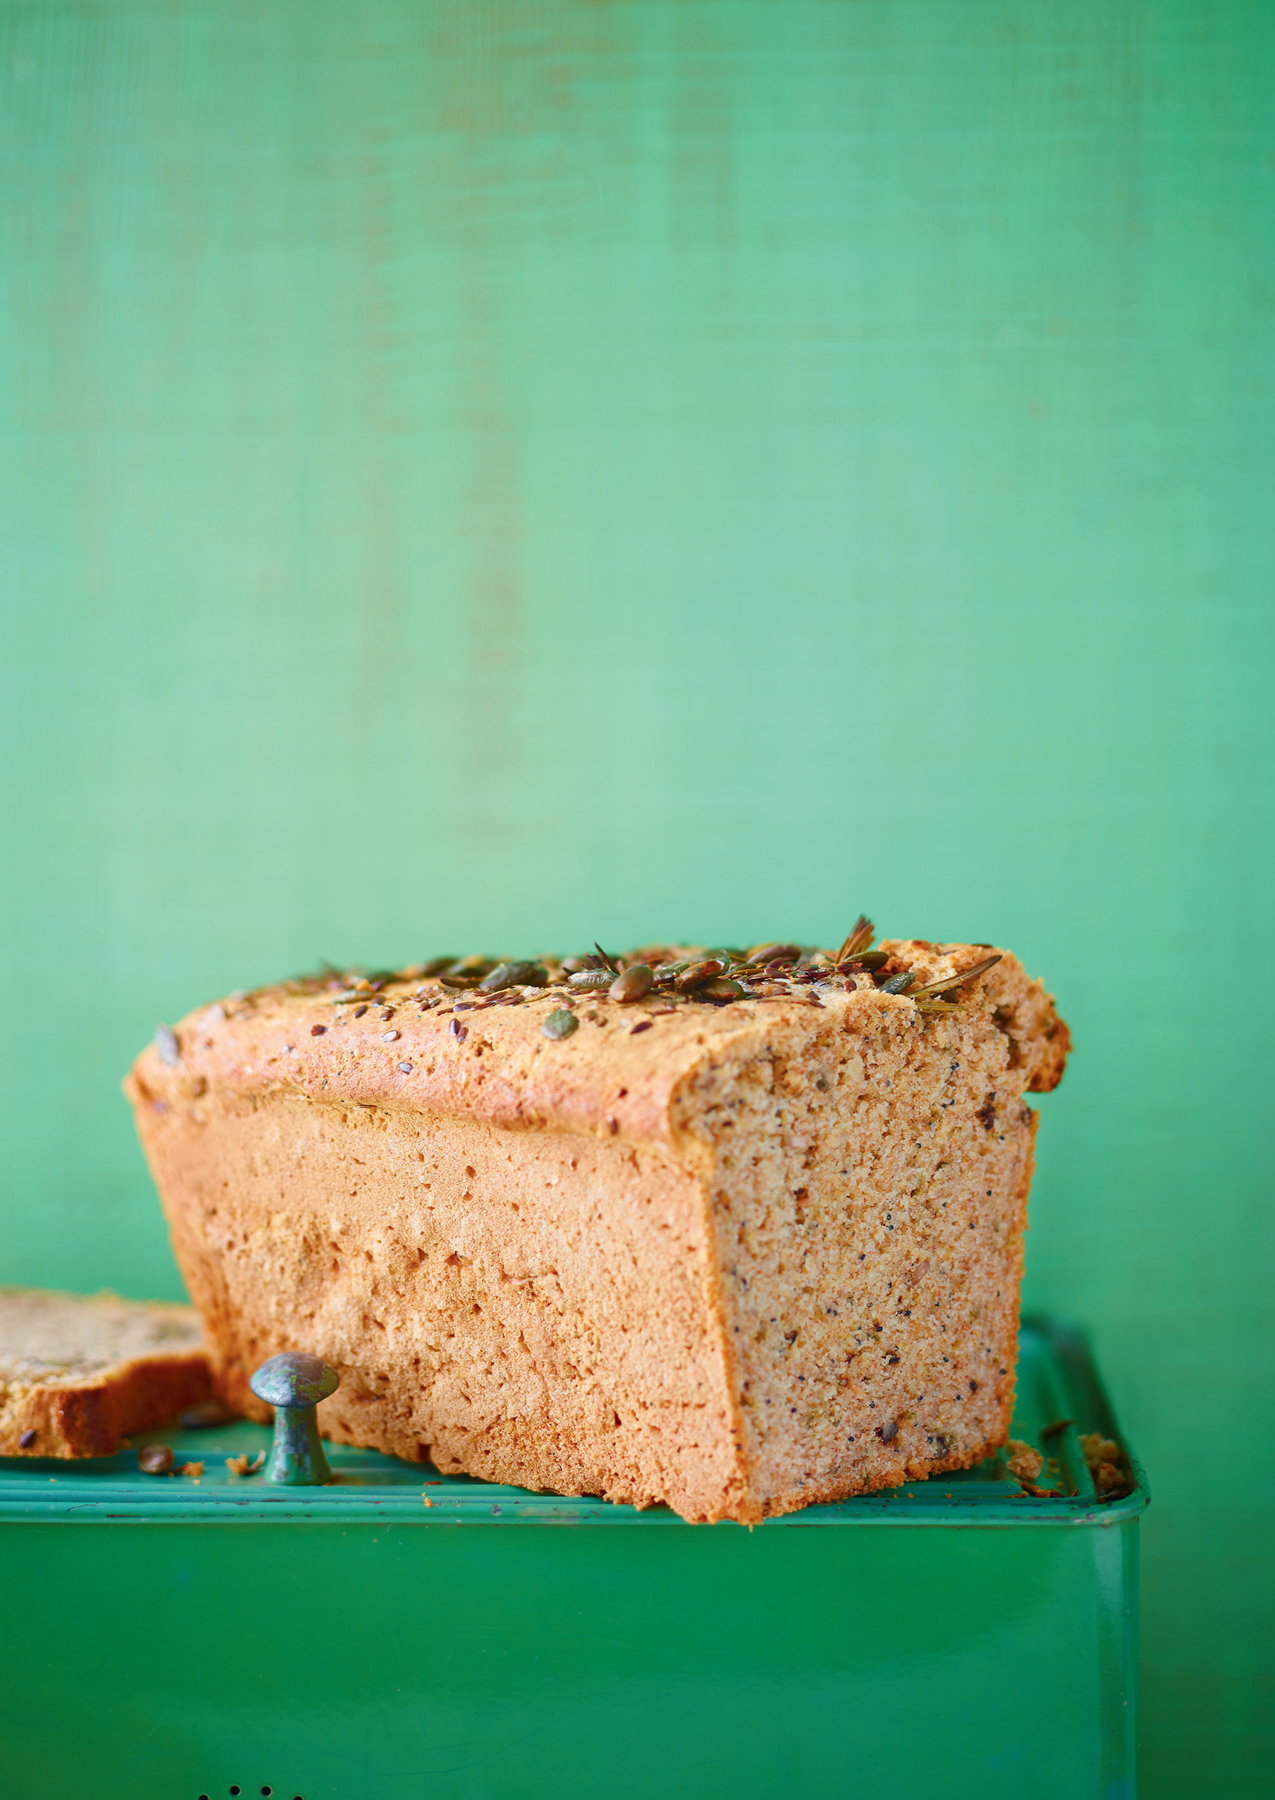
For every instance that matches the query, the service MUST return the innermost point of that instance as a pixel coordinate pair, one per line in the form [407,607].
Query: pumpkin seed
[513,974]
[867,959]
[723,989]
[861,935]
[636,981]
[772,953]
[590,981]
[898,984]
[700,972]
[560,1024]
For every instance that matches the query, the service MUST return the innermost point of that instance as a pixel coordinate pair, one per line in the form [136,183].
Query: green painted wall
[495,474]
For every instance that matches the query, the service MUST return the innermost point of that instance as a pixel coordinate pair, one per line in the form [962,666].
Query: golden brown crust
[602,1079]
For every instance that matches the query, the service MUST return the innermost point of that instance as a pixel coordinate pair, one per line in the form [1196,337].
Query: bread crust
[284,1076]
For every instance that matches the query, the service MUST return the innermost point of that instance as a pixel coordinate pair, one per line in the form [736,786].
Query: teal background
[496,475]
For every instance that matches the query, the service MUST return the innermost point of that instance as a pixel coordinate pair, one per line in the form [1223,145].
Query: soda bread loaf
[733,1232]
[78,1372]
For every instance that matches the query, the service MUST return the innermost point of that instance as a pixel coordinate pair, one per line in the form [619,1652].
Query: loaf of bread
[733,1232]
[78,1372]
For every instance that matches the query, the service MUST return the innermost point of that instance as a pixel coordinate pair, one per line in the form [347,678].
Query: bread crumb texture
[732,1247]
[78,1372]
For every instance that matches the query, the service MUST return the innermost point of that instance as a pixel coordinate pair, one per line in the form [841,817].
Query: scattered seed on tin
[560,1024]
[154,1459]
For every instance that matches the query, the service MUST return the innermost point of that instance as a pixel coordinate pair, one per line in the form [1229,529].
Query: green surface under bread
[1054,1383]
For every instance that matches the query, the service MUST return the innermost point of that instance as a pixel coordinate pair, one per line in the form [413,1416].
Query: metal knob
[294,1384]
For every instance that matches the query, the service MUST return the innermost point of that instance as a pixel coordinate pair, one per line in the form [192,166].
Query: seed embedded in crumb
[642,1025]
[26,1440]
[389,1037]
[317,1030]
[560,1024]
[167,1045]
[405,1068]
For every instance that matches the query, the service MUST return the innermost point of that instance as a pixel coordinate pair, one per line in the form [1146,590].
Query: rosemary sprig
[861,935]
[951,981]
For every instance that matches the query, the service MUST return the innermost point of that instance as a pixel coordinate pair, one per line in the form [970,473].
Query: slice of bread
[78,1372]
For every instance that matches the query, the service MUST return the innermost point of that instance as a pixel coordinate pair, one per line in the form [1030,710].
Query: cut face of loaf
[78,1372]
[739,1259]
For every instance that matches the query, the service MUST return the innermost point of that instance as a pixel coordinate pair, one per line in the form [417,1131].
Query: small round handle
[294,1379]
[294,1384]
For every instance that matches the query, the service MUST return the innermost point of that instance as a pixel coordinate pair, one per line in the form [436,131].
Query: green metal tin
[953,1636]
